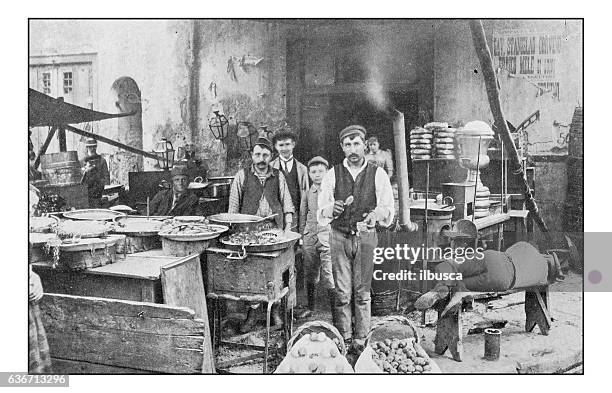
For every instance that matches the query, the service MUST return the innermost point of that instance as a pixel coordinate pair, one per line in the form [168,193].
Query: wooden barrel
[61,168]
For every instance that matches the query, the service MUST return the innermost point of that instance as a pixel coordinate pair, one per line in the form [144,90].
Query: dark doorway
[355,108]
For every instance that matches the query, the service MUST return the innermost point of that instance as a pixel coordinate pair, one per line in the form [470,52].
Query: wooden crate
[96,335]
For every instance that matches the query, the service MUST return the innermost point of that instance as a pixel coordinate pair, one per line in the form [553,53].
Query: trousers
[520,266]
[317,259]
[352,265]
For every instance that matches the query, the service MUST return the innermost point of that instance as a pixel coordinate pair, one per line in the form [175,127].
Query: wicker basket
[317,327]
[365,363]
[397,319]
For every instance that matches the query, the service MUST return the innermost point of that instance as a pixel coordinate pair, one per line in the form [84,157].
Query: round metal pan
[242,222]
[289,239]
[93,214]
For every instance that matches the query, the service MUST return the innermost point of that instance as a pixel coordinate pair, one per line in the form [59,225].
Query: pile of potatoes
[400,356]
[314,353]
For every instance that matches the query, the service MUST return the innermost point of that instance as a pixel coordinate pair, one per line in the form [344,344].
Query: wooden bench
[449,332]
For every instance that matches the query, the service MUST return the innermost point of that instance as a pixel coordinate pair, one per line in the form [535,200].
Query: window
[67,82]
[46,82]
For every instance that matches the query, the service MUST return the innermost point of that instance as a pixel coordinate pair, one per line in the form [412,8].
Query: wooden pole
[61,137]
[501,127]
[110,142]
[45,146]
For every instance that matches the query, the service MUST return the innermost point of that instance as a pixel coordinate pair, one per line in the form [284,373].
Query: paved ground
[561,349]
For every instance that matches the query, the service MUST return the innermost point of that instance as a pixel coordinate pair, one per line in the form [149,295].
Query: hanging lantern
[165,154]
[218,126]
[245,134]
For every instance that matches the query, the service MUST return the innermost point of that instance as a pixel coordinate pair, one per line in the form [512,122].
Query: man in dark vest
[355,195]
[261,190]
[95,173]
[296,174]
[177,201]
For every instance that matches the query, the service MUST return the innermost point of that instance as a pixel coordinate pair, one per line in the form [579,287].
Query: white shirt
[287,165]
[385,208]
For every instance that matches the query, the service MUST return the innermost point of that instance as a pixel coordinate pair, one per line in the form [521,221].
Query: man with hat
[177,201]
[317,257]
[262,191]
[95,173]
[295,173]
[355,196]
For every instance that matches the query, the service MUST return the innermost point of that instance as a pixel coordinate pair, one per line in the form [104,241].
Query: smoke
[374,57]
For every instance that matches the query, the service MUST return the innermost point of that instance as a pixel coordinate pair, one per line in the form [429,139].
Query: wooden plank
[121,333]
[103,286]
[66,366]
[143,268]
[555,364]
[491,220]
[183,285]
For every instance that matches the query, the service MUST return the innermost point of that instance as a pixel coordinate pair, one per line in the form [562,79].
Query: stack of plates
[482,202]
[443,140]
[420,143]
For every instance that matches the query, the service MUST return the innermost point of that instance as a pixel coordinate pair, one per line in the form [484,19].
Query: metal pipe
[476,182]
[399,136]
[492,344]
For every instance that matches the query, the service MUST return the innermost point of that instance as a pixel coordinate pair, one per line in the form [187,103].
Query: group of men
[336,209]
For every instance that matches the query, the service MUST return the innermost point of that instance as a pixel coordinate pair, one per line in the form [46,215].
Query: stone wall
[178,65]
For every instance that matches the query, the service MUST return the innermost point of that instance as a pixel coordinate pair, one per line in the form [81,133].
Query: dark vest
[293,184]
[363,190]
[252,191]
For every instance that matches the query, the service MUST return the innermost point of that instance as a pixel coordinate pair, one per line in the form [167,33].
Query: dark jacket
[96,179]
[187,204]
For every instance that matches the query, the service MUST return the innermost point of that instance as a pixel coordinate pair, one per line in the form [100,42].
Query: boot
[428,299]
[249,324]
[310,293]
[456,301]
[276,317]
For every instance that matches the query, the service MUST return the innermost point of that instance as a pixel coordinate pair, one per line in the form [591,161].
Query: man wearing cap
[262,191]
[317,257]
[95,173]
[355,195]
[177,201]
[295,173]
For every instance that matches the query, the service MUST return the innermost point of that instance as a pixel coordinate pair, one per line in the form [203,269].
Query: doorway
[356,108]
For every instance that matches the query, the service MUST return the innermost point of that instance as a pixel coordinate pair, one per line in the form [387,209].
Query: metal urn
[473,141]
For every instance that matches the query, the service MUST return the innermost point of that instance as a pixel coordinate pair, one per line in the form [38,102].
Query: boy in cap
[355,195]
[177,201]
[317,257]
[95,173]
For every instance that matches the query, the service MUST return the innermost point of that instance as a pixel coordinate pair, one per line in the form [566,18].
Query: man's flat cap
[179,170]
[263,142]
[317,160]
[353,130]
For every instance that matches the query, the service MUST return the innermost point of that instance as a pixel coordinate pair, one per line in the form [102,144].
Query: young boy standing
[317,257]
